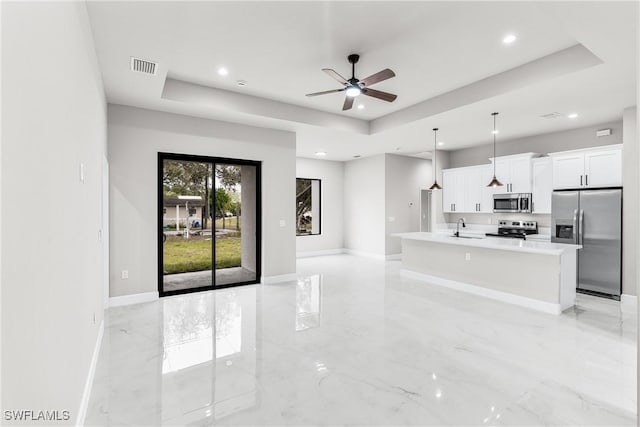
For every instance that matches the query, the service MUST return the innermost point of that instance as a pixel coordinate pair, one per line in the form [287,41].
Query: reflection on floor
[199,279]
[355,342]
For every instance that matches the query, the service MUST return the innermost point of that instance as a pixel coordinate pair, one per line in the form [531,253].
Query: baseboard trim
[629,299]
[365,254]
[545,307]
[133,299]
[88,385]
[267,280]
[325,252]
[393,257]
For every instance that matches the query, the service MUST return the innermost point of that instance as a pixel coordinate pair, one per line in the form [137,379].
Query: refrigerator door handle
[581,228]
[575,226]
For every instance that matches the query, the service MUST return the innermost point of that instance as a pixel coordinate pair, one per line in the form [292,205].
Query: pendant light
[494,182]
[435,185]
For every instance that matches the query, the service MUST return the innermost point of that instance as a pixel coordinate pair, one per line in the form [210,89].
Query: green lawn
[194,254]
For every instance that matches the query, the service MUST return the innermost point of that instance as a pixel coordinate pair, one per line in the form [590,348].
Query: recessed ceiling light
[360,106]
[223,71]
[241,82]
[320,153]
[495,132]
[509,38]
[573,115]
[441,143]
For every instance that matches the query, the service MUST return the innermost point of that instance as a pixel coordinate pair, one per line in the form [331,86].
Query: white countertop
[516,245]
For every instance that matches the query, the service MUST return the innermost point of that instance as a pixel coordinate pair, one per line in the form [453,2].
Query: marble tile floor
[355,342]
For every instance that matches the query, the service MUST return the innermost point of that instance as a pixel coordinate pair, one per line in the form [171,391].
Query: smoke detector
[143,66]
[553,115]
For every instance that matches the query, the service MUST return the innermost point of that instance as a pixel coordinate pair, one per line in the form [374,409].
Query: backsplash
[544,220]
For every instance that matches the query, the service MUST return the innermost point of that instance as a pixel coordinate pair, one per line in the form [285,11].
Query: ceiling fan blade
[385,96]
[334,74]
[325,92]
[348,103]
[378,77]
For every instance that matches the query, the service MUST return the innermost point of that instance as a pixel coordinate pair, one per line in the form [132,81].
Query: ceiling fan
[354,87]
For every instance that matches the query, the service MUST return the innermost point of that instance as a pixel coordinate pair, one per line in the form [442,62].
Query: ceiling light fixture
[223,71]
[573,116]
[360,106]
[353,91]
[320,153]
[494,181]
[440,143]
[435,185]
[509,38]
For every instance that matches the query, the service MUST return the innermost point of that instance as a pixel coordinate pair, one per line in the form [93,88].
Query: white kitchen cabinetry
[588,168]
[542,171]
[453,188]
[515,173]
[465,190]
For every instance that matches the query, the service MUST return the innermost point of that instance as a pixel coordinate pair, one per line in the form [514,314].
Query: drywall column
[248,216]
[630,178]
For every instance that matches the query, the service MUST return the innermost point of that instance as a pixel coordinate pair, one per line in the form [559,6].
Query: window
[307,206]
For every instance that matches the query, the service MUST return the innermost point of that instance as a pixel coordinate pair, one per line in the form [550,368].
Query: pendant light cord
[435,154]
[494,143]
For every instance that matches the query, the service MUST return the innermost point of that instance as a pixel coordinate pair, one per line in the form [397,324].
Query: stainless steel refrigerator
[593,219]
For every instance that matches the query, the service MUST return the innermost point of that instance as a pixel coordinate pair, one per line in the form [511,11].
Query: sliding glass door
[209,234]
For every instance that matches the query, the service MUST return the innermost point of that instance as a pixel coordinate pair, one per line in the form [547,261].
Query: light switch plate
[392,219]
[125,274]
[282,223]
[467,256]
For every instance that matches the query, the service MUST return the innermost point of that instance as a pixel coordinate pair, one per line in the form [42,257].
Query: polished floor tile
[353,341]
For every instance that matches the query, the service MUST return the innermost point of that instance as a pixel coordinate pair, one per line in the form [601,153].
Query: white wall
[137,135]
[364,205]
[630,179]
[54,119]
[582,137]
[404,178]
[331,175]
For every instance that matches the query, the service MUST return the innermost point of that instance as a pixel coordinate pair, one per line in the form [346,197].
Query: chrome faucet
[457,234]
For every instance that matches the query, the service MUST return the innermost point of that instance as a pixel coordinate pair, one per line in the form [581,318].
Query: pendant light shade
[494,181]
[435,185]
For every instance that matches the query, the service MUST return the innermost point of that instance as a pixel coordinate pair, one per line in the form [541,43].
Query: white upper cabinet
[465,190]
[453,189]
[603,168]
[589,168]
[515,173]
[542,173]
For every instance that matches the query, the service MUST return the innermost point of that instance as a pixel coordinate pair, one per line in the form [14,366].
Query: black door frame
[160,196]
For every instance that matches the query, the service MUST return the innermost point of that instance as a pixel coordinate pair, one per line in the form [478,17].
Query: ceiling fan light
[353,91]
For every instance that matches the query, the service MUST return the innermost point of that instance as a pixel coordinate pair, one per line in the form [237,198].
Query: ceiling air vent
[141,66]
[553,115]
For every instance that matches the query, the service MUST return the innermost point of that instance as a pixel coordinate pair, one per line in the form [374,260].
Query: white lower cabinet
[542,173]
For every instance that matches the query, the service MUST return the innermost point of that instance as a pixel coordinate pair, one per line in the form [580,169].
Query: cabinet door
[486,201]
[473,189]
[448,190]
[568,171]
[503,173]
[603,168]
[542,170]
[459,191]
[520,174]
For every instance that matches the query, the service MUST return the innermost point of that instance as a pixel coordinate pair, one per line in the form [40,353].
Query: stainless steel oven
[512,202]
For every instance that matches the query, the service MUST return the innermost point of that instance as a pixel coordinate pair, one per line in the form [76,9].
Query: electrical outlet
[94,317]
[82,172]
[392,219]
[467,256]
[282,223]
[125,274]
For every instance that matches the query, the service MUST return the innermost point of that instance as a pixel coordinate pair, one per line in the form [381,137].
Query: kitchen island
[535,274]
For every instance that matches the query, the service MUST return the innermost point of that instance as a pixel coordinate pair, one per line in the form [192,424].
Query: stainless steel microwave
[512,202]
